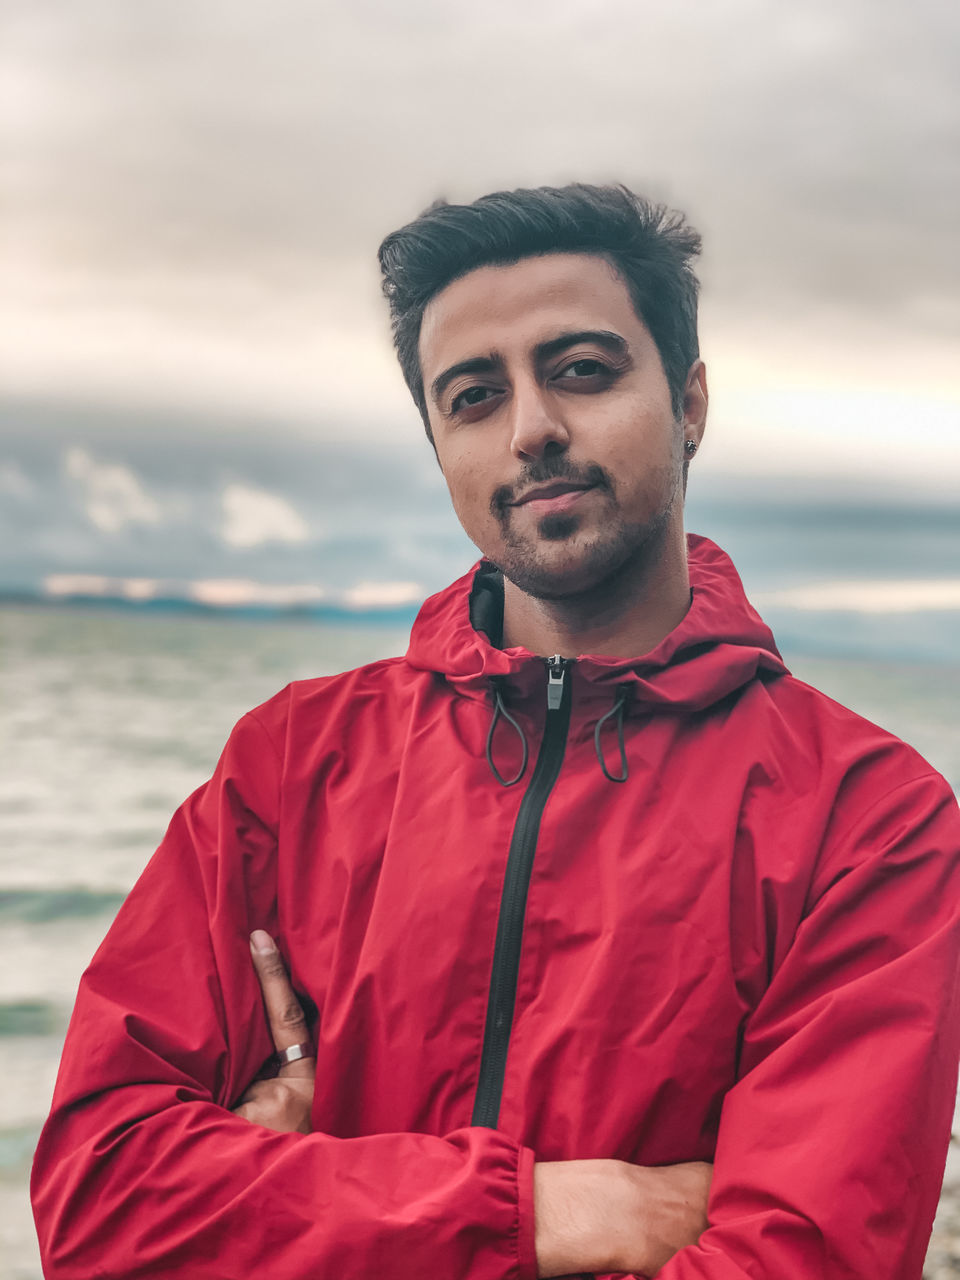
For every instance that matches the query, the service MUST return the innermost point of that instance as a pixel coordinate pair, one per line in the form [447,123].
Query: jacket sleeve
[832,1143]
[142,1169]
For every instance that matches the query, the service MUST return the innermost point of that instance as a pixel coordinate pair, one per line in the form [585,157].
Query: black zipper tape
[513,902]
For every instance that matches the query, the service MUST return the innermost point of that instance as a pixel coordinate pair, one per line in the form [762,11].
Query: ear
[694,420]
[695,400]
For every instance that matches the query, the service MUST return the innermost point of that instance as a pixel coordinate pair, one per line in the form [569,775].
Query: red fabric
[747,952]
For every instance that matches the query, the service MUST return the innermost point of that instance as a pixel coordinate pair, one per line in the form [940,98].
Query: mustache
[550,467]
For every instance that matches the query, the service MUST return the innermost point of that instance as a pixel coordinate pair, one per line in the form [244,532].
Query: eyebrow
[478,364]
[494,362]
[605,338]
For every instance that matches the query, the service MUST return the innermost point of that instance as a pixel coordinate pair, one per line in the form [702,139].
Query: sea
[112,715]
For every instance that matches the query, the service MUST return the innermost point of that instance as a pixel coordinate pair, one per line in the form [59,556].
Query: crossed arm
[590,1215]
[831,1140]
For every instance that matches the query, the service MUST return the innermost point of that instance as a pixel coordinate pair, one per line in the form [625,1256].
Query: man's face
[552,420]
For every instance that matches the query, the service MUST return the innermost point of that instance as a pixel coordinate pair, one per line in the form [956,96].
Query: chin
[560,565]
[544,585]
[554,573]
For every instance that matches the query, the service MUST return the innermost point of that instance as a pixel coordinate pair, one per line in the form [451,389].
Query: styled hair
[650,247]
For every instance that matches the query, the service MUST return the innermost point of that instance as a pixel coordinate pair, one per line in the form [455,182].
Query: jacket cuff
[526,1241]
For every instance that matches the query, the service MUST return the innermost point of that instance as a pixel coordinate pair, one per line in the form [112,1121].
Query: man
[583,893]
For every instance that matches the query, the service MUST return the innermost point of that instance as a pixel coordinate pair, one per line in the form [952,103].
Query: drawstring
[619,709]
[500,710]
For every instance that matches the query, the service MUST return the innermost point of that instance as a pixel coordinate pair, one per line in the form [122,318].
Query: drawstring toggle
[619,709]
[500,710]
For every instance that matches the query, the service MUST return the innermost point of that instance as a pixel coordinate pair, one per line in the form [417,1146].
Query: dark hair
[650,246]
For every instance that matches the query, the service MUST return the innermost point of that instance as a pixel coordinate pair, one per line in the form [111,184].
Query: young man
[583,893]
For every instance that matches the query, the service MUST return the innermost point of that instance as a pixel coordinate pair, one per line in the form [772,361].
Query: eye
[471,396]
[585,368]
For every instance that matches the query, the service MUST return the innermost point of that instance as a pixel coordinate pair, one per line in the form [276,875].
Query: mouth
[553,497]
[545,490]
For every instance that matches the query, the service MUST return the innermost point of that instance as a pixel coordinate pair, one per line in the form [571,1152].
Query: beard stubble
[612,552]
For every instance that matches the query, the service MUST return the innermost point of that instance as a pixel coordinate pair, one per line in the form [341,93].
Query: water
[111,719]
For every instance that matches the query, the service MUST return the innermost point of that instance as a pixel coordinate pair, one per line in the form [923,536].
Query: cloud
[254,516]
[96,584]
[283,138]
[14,482]
[282,497]
[383,595]
[917,595]
[196,192]
[77,584]
[236,592]
[113,496]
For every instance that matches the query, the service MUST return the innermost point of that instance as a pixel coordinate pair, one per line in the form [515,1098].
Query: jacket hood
[721,644]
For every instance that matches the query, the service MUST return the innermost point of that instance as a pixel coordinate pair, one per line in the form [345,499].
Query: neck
[624,616]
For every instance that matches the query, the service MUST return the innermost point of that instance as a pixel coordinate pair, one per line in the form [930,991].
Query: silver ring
[294,1053]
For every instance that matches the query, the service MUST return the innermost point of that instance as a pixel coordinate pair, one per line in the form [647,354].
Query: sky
[191,329]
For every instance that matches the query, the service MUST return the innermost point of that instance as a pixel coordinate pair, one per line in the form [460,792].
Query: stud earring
[691,447]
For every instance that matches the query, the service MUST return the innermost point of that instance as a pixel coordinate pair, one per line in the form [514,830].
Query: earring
[690,446]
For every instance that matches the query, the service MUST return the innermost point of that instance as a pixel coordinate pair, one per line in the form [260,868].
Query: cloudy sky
[194,192]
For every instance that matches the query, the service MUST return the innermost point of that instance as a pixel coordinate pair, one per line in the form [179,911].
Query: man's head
[650,247]
[549,338]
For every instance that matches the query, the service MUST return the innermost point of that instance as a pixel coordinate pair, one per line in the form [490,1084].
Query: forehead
[512,308]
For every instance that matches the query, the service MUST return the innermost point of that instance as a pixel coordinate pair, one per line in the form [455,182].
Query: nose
[537,428]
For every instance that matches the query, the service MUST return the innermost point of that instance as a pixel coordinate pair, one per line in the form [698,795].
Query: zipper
[513,902]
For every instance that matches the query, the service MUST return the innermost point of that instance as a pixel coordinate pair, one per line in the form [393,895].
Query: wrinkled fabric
[746,953]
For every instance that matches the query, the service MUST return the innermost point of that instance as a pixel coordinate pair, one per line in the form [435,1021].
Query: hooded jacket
[714,917]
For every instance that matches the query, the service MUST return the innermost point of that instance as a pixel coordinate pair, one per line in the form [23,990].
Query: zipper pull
[556,670]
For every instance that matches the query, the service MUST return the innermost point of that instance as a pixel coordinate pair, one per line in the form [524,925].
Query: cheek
[645,471]
[652,444]
[470,500]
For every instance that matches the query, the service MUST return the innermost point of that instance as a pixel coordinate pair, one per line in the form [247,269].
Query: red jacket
[745,952]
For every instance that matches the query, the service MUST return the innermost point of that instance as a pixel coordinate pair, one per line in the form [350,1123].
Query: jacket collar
[720,645]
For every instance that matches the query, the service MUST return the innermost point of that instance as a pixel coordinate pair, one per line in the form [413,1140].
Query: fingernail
[262,943]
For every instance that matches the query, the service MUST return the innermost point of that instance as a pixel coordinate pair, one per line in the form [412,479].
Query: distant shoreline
[328,612]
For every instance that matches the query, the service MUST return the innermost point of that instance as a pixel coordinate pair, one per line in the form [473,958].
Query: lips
[546,492]
[549,487]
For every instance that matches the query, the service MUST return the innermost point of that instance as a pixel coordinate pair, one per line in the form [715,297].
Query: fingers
[282,1105]
[285,1017]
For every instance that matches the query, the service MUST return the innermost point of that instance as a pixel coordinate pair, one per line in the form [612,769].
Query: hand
[607,1215]
[284,1102]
